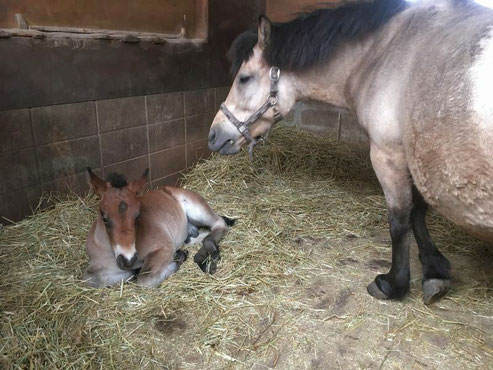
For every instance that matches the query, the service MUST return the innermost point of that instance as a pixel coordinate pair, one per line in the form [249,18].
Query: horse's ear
[264,31]
[138,186]
[97,184]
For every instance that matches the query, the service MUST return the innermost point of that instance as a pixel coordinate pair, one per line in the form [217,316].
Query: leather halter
[272,99]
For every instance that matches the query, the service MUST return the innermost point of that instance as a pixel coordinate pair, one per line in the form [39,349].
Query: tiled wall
[48,148]
[323,118]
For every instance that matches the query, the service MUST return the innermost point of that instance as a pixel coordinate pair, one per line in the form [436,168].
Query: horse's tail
[229,221]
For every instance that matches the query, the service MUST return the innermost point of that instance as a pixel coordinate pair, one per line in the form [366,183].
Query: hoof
[375,291]
[382,288]
[180,256]
[434,290]
[207,262]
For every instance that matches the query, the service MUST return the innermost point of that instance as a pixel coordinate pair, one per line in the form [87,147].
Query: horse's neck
[336,81]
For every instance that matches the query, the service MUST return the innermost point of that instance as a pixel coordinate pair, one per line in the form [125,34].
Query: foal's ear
[264,31]
[138,186]
[97,184]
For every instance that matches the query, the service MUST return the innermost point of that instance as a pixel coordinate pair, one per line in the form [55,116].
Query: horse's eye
[137,218]
[245,79]
[107,221]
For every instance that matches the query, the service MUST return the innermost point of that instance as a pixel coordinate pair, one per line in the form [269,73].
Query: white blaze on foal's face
[120,213]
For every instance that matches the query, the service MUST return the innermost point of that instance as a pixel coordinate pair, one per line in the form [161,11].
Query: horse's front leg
[390,166]
[160,265]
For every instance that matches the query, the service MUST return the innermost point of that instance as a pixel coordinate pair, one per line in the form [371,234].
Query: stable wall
[115,104]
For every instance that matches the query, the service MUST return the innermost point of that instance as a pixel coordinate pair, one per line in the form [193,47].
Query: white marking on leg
[167,271]
[198,239]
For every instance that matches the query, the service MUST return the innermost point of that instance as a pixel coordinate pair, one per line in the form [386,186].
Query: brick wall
[46,149]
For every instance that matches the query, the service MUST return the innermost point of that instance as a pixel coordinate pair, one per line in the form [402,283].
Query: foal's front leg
[106,273]
[390,166]
[160,265]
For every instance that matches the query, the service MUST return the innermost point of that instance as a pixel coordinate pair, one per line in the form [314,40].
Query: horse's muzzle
[222,142]
[124,263]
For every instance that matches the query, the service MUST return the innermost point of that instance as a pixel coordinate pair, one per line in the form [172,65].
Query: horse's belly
[454,172]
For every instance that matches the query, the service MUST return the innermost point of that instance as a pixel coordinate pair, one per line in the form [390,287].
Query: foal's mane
[117,180]
[311,37]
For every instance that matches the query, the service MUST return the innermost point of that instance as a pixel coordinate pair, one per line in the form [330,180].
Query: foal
[134,232]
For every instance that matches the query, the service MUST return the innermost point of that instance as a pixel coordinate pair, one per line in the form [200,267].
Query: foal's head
[250,90]
[119,210]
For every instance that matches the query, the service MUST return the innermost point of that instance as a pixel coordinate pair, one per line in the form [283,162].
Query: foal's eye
[137,218]
[245,79]
[106,220]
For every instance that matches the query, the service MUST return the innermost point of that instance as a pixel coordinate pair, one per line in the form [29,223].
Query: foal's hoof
[434,290]
[207,261]
[180,256]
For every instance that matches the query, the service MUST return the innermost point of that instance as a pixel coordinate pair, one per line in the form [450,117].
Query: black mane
[117,180]
[311,37]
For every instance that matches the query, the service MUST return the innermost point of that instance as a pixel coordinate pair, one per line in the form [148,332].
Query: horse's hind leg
[391,169]
[436,275]
[158,266]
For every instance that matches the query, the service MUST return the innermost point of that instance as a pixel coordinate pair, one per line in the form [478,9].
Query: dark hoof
[381,288]
[434,290]
[375,291]
[180,256]
[207,261]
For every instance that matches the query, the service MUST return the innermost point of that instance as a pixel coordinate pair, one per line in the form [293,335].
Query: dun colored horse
[143,234]
[420,80]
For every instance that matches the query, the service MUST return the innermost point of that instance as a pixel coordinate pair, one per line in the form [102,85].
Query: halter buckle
[273,99]
[274,74]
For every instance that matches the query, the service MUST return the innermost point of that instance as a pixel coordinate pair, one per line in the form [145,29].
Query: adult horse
[420,80]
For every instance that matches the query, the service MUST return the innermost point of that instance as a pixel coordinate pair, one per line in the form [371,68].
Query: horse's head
[119,211]
[258,97]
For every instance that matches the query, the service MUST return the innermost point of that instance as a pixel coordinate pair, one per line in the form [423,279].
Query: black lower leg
[395,284]
[435,265]
[436,268]
[208,255]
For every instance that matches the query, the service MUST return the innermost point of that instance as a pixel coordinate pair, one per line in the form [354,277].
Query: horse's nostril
[212,135]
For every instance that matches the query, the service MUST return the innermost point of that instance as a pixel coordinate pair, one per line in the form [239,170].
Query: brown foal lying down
[142,234]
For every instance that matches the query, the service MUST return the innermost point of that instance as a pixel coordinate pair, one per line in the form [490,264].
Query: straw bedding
[289,292]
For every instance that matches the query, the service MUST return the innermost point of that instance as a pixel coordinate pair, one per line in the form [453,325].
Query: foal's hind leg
[208,255]
[436,275]
[158,266]
[391,169]
[200,214]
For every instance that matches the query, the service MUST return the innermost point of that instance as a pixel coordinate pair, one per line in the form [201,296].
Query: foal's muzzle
[124,263]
